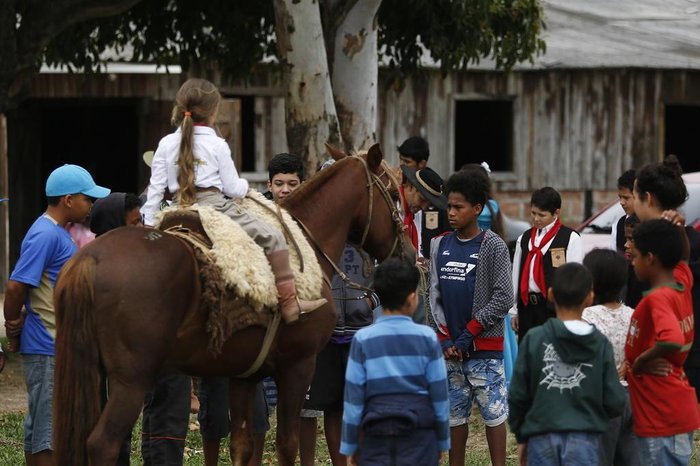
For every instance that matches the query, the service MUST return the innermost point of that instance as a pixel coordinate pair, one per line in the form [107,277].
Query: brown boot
[291,306]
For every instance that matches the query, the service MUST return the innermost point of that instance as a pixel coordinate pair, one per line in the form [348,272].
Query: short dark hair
[660,238]
[415,148]
[626,180]
[286,163]
[571,284]
[632,221]
[53,200]
[394,280]
[609,270]
[546,198]
[664,181]
[474,185]
[131,202]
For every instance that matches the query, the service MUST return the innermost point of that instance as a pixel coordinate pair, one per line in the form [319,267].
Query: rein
[399,240]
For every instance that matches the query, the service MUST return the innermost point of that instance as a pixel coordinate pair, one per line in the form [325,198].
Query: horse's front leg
[241,410]
[293,382]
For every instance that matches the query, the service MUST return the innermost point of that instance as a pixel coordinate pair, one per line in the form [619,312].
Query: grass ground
[11,445]
[13,405]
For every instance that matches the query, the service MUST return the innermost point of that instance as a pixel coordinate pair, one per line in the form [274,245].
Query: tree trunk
[355,74]
[311,118]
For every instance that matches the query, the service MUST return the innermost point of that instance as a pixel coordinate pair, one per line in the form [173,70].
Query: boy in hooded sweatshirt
[565,386]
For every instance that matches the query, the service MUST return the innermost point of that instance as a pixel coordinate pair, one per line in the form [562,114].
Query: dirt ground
[13,396]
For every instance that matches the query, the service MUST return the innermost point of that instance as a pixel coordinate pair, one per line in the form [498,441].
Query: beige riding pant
[264,235]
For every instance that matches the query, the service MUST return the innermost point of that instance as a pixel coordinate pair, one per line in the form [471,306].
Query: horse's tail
[76,405]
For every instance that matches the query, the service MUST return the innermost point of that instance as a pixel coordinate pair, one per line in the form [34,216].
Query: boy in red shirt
[664,405]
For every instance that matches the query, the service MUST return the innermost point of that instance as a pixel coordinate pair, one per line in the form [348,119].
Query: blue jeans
[666,451]
[38,375]
[563,449]
[619,445]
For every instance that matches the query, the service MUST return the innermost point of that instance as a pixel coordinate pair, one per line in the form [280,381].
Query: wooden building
[618,87]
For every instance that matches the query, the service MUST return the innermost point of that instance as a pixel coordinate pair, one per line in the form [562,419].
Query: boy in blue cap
[46,247]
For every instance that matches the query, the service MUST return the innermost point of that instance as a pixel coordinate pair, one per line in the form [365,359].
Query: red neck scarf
[411,229]
[535,255]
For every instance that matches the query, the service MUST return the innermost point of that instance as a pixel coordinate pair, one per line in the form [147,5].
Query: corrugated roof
[579,34]
[619,33]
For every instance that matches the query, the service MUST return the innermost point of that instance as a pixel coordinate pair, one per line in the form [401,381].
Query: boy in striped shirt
[396,382]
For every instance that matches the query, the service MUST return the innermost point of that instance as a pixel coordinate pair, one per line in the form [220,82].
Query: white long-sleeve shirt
[213,167]
[574,253]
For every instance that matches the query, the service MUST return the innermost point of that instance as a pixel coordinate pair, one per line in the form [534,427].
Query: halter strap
[399,240]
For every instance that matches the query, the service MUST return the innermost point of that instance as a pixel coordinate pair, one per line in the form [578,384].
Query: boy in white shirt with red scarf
[538,253]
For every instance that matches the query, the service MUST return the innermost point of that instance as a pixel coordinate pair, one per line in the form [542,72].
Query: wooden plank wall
[572,129]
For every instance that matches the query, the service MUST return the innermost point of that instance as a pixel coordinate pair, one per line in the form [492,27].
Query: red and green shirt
[663,406]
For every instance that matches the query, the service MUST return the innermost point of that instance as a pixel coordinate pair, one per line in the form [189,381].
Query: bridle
[385,190]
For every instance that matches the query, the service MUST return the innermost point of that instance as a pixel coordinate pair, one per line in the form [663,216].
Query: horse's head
[377,227]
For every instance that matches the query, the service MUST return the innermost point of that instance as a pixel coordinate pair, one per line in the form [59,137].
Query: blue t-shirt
[45,249]
[490,210]
[456,267]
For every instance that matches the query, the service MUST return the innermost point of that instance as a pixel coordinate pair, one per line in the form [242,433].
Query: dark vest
[620,232]
[561,240]
[443,225]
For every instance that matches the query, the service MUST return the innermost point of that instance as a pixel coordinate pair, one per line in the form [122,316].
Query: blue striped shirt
[394,356]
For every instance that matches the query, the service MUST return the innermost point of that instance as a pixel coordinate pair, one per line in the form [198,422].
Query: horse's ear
[374,158]
[337,154]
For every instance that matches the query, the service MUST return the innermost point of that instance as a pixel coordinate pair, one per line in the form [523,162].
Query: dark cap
[416,148]
[428,183]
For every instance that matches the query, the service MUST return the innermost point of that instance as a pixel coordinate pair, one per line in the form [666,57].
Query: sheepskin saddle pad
[244,267]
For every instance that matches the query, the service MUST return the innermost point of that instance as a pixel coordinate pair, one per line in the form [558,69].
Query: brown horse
[127,307]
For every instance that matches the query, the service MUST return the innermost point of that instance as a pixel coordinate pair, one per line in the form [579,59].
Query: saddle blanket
[243,263]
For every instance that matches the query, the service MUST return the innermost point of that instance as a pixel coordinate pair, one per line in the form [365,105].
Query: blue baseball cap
[72,179]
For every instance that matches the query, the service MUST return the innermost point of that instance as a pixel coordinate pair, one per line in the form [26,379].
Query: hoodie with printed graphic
[563,382]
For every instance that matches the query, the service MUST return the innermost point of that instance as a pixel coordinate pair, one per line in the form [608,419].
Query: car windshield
[603,223]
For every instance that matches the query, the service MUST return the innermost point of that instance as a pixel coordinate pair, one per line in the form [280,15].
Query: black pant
[166,415]
[533,315]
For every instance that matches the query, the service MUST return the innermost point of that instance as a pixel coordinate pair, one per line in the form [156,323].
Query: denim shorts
[569,448]
[38,376]
[482,380]
[672,450]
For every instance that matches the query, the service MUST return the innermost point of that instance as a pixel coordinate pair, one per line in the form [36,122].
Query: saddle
[226,311]
[237,283]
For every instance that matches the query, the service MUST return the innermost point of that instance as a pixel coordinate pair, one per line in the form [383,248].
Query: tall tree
[328,51]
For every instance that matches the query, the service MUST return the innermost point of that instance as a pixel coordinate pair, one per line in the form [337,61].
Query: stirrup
[295,318]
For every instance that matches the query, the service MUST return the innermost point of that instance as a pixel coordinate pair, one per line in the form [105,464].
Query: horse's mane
[314,182]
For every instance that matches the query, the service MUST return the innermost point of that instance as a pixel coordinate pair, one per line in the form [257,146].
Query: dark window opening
[248,134]
[484,133]
[681,135]
[101,135]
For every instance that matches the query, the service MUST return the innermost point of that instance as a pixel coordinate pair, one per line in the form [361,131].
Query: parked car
[595,232]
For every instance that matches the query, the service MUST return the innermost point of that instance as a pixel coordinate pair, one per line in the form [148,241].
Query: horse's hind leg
[116,422]
[241,410]
[293,381]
